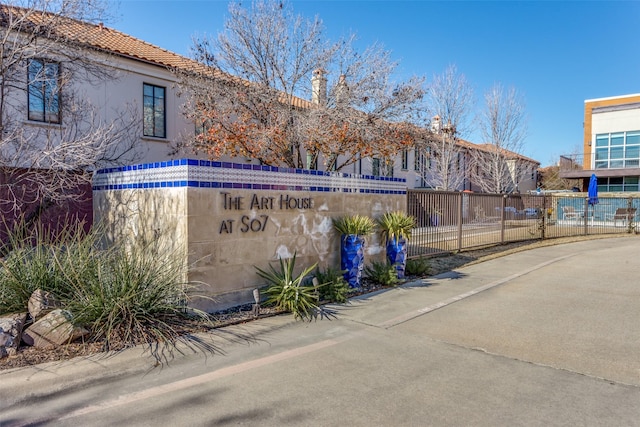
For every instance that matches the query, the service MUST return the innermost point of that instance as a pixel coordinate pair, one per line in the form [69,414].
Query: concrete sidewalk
[540,337]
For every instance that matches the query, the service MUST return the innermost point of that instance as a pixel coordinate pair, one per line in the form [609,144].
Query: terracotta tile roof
[467,144]
[115,42]
[97,36]
[119,43]
[490,147]
[112,41]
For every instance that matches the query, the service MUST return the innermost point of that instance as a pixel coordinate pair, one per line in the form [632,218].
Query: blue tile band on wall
[212,174]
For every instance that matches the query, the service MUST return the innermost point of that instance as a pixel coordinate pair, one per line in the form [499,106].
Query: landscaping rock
[53,330]
[41,302]
[10,332]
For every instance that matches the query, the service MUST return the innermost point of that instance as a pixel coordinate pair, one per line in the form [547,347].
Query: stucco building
[140,82]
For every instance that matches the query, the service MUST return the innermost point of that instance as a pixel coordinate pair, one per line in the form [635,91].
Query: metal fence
[455,221]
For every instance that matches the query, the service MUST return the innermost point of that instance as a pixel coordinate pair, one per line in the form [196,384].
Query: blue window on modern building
[619,150]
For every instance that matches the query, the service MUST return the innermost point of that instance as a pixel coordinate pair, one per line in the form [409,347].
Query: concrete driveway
[549,336]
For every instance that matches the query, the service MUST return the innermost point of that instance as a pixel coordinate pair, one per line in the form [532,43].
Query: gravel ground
[30,356]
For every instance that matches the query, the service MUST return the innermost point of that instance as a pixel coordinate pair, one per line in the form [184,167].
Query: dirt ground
[30,356]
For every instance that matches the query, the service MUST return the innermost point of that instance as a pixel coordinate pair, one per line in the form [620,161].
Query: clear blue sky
[557,54]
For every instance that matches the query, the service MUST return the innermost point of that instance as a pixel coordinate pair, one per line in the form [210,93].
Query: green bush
[332,286]
[124,296]
[31,264]
[382,273]
[289,292]
[22,272]
[131,296]
[417,267]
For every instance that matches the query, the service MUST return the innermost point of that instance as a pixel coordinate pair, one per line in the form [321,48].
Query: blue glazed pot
[352,258]
[397,255]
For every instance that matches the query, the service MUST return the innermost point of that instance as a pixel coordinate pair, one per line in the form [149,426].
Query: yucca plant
[359,225]
[289,292]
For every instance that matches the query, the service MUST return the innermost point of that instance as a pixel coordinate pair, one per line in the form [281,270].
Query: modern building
[611,148]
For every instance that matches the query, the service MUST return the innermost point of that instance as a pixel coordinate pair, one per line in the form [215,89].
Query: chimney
[342,90]
[319,87]
[435,124]
[449,129]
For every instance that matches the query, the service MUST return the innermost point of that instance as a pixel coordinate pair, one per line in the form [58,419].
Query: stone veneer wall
[225,218]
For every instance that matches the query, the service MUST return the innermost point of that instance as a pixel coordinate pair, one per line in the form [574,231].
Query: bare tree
[550,179]
[451,99]
[498,166]
[263,70]
[51,137]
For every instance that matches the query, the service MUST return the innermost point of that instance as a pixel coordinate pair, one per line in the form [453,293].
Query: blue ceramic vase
[352,258]
[397,255]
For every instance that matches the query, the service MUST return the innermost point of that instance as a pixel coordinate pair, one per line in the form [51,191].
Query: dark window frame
[375,166]
[150,124]
[41,90]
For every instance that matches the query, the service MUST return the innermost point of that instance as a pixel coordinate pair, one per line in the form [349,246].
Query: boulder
[10,333]
[53,330]
[41,302]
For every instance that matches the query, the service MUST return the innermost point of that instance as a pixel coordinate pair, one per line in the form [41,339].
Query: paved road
[545,337]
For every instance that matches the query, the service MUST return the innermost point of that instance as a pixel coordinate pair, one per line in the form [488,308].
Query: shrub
[289,292]
[123,296]
[417,267]
[31,264]
[332,286]
[131,296]
[22,272]
[382,273]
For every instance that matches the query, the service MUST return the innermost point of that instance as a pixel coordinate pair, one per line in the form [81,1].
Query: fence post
[460,213]
[502,219]
[630,219]
[586,216]
[544,216]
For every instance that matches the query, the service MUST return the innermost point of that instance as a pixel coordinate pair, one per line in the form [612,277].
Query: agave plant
[396,229]
[396,225]
[360,225]
[289,292]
